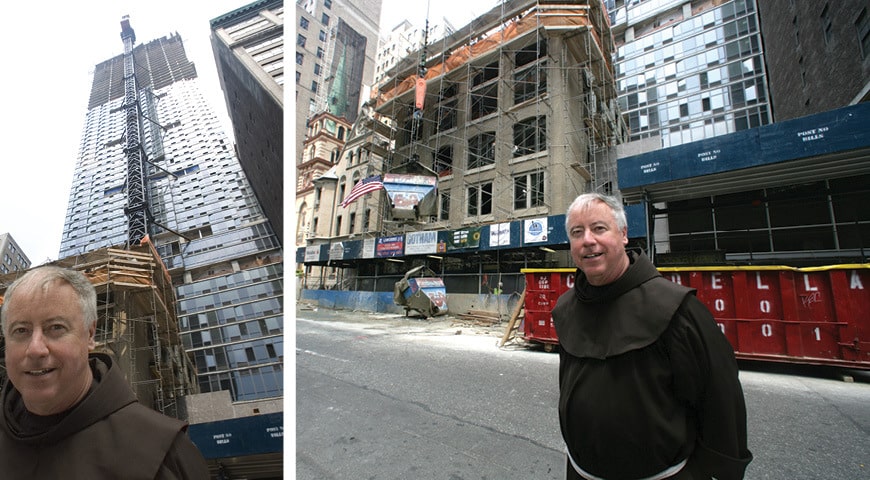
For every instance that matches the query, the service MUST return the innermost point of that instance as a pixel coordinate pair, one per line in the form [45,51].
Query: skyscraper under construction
[157,138]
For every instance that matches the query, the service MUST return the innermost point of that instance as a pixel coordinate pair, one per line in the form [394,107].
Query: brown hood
[114,395]
[630,313]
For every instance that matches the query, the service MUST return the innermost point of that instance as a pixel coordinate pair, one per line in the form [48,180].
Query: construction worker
[67,412]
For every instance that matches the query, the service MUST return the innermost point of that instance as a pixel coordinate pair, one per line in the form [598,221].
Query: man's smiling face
[47,347]
[597,243]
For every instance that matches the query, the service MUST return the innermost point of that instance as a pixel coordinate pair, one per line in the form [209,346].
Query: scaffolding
[136,323]
[521,98]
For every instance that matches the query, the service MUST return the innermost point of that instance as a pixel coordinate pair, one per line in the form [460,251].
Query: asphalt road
[381,396]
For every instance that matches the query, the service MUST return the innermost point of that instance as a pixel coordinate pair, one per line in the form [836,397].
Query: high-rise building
[817,55]
[689,70]
[203,217]
[248,45]
[12,258]
[404,39]
[336,45]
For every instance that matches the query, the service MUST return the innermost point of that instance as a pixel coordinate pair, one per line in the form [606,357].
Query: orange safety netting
[553,18]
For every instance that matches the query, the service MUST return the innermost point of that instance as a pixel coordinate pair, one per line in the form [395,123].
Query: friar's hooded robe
[647,380]
[108,434]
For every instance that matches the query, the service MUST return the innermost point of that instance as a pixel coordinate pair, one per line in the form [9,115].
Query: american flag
[364,186]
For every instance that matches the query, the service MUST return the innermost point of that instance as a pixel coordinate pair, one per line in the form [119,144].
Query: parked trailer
[817,315]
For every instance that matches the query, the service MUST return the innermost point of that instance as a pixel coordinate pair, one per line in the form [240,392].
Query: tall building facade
[336,46]
[689,70]
[12,258]
[206,222]
[404,39]
[711,78]
[818,55]
[248,46]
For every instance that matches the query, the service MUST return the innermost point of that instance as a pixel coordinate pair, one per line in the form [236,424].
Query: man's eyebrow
[58,318]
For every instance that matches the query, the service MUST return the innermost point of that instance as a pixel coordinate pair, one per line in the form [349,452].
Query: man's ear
[92,332]
[625,235]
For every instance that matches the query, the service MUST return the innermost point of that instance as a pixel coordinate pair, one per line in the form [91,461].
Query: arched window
[302,223]
[341,189]
[341,133]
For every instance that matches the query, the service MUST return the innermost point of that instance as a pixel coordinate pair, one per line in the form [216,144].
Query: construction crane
[137,209]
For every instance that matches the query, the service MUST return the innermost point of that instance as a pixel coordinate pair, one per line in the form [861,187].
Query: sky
[458,12]
[50,51]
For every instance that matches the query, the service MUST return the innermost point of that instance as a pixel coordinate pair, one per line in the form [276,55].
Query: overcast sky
[458,12]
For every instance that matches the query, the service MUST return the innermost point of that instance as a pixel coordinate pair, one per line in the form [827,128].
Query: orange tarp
[552,18]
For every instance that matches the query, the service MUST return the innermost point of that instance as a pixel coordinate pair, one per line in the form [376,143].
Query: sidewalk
[440,325]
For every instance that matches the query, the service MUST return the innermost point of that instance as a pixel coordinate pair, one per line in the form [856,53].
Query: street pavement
[383,396]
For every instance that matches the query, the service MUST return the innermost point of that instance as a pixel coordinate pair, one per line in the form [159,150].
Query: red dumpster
[818,315]
[543,287]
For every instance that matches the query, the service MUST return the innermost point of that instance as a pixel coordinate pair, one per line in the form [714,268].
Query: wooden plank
[513,319]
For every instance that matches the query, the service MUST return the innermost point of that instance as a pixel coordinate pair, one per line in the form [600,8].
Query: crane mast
[137,209]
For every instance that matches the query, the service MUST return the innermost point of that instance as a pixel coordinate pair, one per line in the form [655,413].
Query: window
[324,19]
[480,199]
[862,28]
[484,101]
[322,36]
[530,83]
[485,74]
[313,87]
[317,69]
[481,150]
[446,116]
[298,77]
[351,223]
[338,225]
[444,205]
[298,58]
[530,136]
[529,190]
[484,94]
[530,53]
[444,160]
[327,4]
[300,40]
[367,218]
[447,92]
[826,24]
[320,53]
[303,22]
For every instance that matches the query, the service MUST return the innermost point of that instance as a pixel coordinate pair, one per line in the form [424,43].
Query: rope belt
[666,473]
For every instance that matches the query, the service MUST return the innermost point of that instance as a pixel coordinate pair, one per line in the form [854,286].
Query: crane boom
[137,209]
